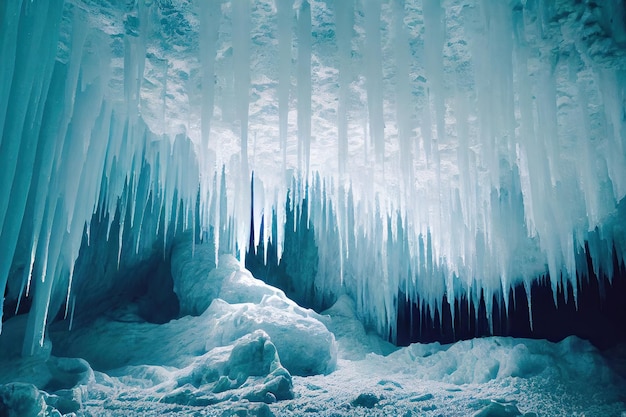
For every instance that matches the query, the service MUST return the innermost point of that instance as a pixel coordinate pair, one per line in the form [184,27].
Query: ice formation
[432,147]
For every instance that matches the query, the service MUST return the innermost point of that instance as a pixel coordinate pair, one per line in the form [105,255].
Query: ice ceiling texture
[432,148]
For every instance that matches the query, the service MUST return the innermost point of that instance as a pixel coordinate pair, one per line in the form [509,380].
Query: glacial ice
[453,147]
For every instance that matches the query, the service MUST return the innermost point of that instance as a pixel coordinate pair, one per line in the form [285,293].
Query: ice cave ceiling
[431,148]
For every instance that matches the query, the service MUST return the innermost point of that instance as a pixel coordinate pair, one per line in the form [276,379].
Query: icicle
[9,33]
[345,20]
[304,87]
[241,62]
[69,293]
[374,75]
[210,13]
[285,11]
[71,324]
[433,44]
[403,95]
[25,285]
[28,91]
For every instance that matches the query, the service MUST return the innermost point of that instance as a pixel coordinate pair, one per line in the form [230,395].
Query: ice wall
[443,146]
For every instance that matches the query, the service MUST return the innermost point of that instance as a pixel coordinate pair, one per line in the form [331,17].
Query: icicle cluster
[446,147]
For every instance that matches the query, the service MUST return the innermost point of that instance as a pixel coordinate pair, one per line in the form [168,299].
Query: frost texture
[444,147]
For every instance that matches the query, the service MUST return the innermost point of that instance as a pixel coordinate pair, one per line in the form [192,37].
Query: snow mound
[251,366]
[245,376]
[68,373]
[20,399]
[241,287]
[495,358]
[305,345]
[198,280]
[239,304]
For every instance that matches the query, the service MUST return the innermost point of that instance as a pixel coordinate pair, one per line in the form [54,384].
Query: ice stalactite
[304,87]
[344,16]
[31,39]
[406,137]
[438,149]
[210,15]
[241,69]
[79,154]
[374,78]
[285,12]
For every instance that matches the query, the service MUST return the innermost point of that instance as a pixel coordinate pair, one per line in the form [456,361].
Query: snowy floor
[569,385]
[251,350]
[495,377]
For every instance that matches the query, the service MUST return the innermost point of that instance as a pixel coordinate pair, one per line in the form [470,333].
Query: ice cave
[313,208]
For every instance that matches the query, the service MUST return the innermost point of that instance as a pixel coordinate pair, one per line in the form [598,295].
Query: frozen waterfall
[431,148]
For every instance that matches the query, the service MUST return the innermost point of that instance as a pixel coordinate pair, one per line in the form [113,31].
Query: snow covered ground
[253,352]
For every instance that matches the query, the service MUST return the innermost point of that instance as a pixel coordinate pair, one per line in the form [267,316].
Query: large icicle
[285,13]
[374,75]
[304,87]
[344,21]
[27,98]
